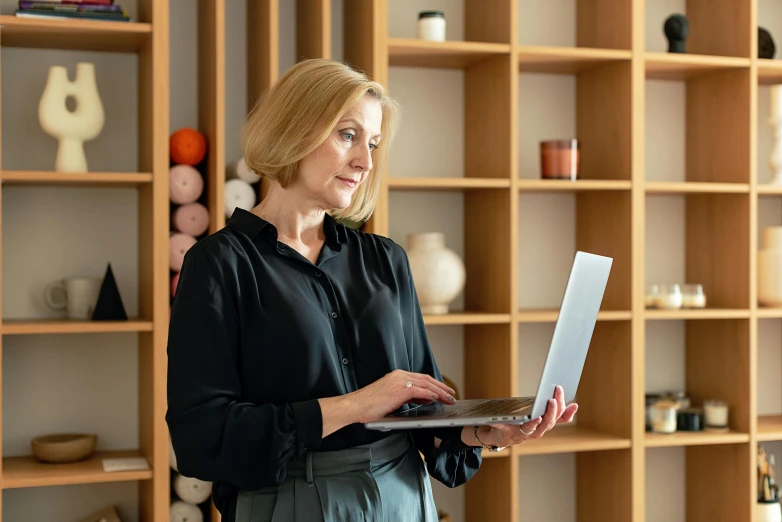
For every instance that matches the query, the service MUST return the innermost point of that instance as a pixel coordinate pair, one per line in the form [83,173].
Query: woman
[290,330]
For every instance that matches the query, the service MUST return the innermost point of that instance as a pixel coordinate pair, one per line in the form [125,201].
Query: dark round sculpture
[766,47]
[676,29]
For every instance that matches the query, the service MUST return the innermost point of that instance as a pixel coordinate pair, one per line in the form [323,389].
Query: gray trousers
[385,481]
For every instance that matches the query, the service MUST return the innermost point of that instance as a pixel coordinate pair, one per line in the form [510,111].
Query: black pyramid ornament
[109,306]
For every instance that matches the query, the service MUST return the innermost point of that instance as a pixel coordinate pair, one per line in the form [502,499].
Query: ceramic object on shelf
[438,272]
[74,295]
[64,447]
[676,29]
[431,26]
[766,46]
[775,122]
[770,267]
[71,128]
[768,512]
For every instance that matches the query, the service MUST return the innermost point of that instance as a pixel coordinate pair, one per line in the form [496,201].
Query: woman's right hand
[387,394]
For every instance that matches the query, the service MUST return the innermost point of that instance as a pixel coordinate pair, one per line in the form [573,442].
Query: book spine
[69,8]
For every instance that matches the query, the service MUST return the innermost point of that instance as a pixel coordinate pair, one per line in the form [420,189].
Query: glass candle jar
[431,26]
[693,296]
[559,159]
[715,415]
[669,297]
[664,417]
[652,291]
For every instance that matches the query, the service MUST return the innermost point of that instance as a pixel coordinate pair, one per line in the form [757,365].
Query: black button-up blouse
[258,333]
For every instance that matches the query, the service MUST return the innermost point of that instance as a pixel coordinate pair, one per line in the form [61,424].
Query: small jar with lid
[431,26]
[664,416]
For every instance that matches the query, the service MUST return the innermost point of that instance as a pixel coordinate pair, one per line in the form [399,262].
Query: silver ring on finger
[521,428]
[409,384]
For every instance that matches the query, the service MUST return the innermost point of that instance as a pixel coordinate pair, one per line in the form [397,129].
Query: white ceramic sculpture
[438,272]
[72,129]
[770,267]
[775,121]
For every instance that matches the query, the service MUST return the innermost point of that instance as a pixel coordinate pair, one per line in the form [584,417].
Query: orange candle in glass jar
[559,159]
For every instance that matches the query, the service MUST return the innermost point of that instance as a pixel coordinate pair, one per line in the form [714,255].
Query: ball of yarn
[192,218]
[174,284]
[185,184]
[172,456]
[192,490]
[178,245]
[245,173]
[238,193]
[187,146]
[184,512]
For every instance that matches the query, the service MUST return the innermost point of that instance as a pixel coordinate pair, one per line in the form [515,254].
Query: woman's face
[330,175]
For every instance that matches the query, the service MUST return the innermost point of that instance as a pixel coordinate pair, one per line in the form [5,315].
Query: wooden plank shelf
[69,326]
[550,315]
[71,34]
[696,438]
[447,183]
[570,439]
[669,66]
[564,185]
[769,313]
[686,187]
[769,428]
[567,60]
[767,189]
[463,318]
[412,52]
[28,472]
[100,179]
[769,71]
[703,313]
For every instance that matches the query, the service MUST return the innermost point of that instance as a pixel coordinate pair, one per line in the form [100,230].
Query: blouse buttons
[334,315]
[317,274]
[344,360]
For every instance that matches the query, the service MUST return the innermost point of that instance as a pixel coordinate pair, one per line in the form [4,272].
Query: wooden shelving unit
[148,40]
[610,66]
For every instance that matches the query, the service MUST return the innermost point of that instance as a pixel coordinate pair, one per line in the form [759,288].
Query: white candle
[775,105]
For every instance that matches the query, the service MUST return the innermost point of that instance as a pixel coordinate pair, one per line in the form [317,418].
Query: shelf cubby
[599,25]
[721,29]
[603,419]
[698,483]
[694,125]
[588,486]
[707,359]
[590,103]
[594,221]
[700,238]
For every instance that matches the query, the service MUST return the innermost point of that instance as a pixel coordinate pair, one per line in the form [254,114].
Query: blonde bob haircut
[296,115]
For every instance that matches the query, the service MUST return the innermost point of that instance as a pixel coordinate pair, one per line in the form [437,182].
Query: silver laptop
[564,363]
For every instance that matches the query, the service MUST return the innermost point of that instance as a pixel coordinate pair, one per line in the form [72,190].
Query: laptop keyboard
[499,406]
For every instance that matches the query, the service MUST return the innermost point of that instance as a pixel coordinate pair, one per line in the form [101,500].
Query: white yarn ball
[184,512]
[238,193]
[244,172]
[192,490]
[172,456]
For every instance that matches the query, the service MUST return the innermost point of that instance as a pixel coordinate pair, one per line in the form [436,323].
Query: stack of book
[83,9]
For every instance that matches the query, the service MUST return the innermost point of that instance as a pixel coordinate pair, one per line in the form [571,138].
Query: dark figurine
[766,47]
[676,29]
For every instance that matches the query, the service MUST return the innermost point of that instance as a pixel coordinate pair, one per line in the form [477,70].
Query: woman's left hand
[504,435]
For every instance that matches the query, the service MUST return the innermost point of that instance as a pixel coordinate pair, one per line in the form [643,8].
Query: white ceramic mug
[77,295]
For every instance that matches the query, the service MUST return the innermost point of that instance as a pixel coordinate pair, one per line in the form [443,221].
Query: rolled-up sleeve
[453,463]
[216,435]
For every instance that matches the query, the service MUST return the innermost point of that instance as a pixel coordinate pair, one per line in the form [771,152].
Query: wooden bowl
[64,447]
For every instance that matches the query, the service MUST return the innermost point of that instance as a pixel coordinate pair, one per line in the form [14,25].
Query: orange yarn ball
[187,146]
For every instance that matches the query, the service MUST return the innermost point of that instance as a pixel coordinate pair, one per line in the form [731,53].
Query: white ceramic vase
[71,128]
[768,512]
[770,267]
[775,121]
[438,272]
